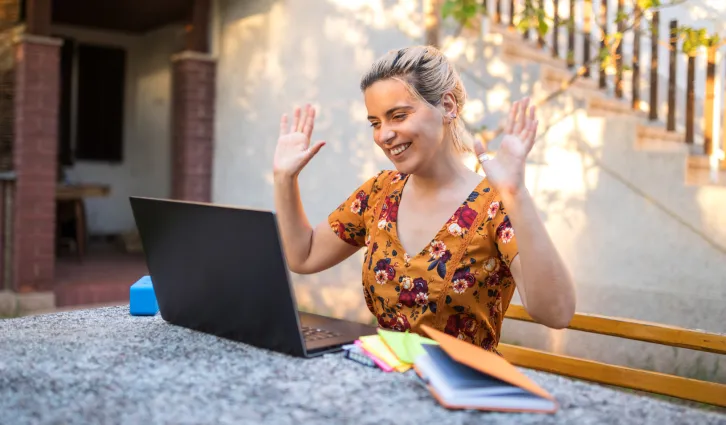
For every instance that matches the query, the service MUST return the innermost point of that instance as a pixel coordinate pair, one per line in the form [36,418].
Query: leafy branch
[532,16]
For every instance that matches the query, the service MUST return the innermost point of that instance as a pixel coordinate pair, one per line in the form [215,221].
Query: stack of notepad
[389,350]
[460,375]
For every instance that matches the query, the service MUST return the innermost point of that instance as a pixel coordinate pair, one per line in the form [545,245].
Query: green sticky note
[406,346]
[414,345]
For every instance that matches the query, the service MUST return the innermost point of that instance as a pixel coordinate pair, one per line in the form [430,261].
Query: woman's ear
[448,103]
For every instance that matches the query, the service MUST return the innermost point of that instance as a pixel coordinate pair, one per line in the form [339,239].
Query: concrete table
[103,366]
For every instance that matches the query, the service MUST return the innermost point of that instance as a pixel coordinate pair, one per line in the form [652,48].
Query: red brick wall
[192,128]
[35,162]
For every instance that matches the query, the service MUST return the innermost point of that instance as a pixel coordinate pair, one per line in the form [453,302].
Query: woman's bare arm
[543,281]
[307,250]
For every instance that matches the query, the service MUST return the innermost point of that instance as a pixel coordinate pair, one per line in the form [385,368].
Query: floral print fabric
[460,283]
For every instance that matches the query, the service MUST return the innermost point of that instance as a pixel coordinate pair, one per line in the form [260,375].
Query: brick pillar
[35,160]
[194,76]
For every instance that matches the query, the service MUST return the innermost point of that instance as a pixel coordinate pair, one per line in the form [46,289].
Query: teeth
[397,150]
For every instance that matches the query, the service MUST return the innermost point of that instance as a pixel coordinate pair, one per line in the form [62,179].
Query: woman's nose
[385,136]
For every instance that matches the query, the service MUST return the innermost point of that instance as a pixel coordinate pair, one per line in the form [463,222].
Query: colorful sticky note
[375,345]
[414,346]
[406,346]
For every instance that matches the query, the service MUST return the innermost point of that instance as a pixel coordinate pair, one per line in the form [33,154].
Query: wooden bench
[654,382]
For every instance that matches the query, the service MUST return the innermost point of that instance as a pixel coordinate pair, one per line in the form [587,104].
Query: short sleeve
[501,231]
[349,221]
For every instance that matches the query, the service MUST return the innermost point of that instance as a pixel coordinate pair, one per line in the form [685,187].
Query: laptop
[221,270]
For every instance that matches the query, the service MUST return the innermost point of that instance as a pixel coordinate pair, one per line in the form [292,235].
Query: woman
[461,280]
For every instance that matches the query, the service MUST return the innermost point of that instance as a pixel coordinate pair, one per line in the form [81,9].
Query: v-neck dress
[460,283]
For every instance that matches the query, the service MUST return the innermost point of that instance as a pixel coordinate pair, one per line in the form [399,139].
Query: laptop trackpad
[320,331]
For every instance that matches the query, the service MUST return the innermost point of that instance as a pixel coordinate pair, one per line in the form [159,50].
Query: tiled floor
[103,276]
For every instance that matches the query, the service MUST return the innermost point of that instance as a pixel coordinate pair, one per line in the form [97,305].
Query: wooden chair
[654,382]
[75,196]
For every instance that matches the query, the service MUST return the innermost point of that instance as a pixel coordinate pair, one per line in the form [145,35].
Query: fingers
[528,118]
[479,148]
[529,134]
[300,123]
[309,121]
[516,127]
[509,127]
[520,118]
[295,120]
[529,142]
[283,125]
[533,123]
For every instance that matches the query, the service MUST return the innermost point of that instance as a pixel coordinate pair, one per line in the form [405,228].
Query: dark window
[65,152]
[99,123]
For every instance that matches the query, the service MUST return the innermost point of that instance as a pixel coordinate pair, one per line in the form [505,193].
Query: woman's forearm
[546,286]
[295,229]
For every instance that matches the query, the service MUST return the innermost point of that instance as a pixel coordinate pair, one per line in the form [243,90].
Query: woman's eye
[374,124]
[400,117]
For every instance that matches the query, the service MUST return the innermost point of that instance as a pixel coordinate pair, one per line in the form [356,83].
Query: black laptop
[221,270]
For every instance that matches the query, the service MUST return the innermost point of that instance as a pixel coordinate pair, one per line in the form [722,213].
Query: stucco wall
[639,243]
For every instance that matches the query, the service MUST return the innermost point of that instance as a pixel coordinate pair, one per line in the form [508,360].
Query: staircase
[634,213]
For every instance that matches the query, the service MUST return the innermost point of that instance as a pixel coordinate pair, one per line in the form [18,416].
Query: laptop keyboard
[314,334]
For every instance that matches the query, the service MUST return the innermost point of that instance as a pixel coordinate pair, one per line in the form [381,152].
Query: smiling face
[410,132]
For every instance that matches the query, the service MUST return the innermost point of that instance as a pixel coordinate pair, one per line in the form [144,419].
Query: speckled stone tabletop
[103,366]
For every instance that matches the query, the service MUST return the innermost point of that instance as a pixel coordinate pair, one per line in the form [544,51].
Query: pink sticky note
[376,360]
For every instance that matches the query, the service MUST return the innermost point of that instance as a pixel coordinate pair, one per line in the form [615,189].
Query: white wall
[145,169]
[274,55]
[639,253]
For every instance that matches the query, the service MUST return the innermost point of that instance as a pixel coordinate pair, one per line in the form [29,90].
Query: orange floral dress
[460,283]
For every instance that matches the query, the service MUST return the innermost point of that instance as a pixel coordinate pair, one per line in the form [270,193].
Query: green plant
[533,16]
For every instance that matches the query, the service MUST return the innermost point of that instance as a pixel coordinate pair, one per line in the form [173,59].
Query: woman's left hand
[506,169]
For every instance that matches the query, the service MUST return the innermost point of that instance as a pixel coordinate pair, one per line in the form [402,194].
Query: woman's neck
[445,173]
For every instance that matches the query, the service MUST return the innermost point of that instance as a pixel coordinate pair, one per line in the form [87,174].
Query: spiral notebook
[461,375]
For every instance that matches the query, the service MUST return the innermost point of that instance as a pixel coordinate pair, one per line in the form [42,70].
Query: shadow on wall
[631,255]
[275,55]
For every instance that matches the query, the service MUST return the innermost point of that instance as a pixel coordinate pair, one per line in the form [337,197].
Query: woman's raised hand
[293,149]
[506,170]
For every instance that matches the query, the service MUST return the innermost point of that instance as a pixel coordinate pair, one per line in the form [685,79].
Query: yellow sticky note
[375,345]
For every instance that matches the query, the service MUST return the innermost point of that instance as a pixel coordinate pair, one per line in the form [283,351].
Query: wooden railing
[590,24]
[654,382]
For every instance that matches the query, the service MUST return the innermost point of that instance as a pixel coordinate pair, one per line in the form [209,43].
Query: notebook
[461,375]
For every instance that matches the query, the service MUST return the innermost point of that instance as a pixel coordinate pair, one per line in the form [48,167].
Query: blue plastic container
[142,299]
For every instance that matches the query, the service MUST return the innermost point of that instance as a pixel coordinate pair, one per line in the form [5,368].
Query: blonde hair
[428,75]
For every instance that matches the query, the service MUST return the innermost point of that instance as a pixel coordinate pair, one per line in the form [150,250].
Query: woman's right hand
[293,149]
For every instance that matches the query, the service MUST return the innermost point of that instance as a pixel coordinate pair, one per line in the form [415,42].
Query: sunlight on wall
[340,28]
[498,96]
[311,64]
[709,200]
[337,293]
[497,68]
[344,29]
[712,12]
[596,222]
[473,110]
[377,14]
[455,48]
